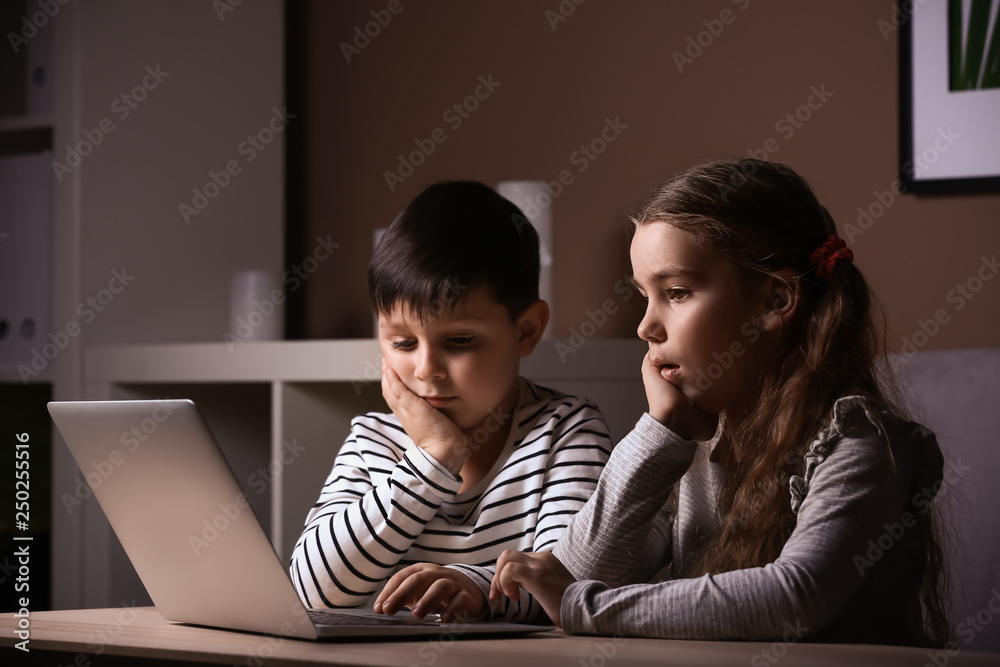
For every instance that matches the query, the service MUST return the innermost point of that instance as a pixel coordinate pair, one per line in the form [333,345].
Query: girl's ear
[781,295]
[530,327]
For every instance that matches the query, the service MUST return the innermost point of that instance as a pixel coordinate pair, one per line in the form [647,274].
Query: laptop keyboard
[329,617]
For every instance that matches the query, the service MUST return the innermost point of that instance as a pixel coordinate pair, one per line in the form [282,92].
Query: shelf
[353,360]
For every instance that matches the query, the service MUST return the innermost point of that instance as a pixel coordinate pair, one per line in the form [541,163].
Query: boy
[474,459]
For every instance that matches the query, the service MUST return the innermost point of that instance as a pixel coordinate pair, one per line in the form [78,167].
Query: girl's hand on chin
[669,406]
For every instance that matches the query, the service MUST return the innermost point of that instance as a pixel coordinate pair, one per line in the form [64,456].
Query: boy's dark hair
[453,236]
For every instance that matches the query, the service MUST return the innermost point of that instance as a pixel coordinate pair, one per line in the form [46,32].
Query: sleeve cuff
[652,441]
[435,476]
[481,577]
[573,608]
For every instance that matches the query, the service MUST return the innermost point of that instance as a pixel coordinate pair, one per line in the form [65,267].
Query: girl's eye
[678,293]
[403,344]
[460,341]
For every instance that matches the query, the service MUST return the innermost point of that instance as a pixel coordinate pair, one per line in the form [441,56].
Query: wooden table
[140,636]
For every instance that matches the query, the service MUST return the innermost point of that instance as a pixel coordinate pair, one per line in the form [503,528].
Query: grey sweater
[850,571]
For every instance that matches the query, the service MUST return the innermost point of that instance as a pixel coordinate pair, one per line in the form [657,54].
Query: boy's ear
[530,327]
[781,300]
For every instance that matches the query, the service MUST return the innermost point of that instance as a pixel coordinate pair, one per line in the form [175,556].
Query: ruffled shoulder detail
[853,417]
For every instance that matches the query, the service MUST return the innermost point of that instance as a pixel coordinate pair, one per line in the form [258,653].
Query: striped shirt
[849,572]
[387,503]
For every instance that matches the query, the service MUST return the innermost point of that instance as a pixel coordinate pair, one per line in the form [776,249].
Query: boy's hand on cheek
[429,428]
[669,406]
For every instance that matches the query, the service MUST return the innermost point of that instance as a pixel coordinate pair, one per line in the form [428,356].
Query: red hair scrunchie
[827,255]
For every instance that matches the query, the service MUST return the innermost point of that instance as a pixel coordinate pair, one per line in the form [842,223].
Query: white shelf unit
[280,410]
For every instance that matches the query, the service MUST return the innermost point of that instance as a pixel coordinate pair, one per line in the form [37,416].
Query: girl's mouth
[669,371]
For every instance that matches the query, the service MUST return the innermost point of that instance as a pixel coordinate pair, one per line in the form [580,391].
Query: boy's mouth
[439,401]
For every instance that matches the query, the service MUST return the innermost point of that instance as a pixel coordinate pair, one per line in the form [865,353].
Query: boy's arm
[358,531]
[579,449]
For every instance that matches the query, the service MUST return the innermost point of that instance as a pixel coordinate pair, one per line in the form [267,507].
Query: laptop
[194,541]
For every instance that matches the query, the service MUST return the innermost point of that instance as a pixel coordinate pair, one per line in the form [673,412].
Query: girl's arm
[622,534]
[358,531]
[855,491]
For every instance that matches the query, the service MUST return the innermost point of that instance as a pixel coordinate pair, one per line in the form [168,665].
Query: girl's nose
[651,329]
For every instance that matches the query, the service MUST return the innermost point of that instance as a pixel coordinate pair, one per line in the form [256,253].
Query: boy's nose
[429,367]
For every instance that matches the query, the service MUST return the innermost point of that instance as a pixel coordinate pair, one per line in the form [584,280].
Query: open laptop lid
[188,528]
[181,516]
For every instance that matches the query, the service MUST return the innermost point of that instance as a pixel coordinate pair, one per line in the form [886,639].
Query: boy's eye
[403,344]
[678,293]
[460,341]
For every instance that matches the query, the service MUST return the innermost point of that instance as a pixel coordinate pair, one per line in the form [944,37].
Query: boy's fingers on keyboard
[450,593]
[391,586]
[436,596]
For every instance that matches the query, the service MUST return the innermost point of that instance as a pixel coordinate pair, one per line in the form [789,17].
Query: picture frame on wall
[949,85]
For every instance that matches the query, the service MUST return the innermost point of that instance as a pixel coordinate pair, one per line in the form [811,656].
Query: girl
[806,513]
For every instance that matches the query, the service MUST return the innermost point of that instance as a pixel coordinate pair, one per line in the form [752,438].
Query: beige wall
[614,60]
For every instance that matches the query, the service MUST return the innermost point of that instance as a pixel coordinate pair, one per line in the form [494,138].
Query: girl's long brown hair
[766,219]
